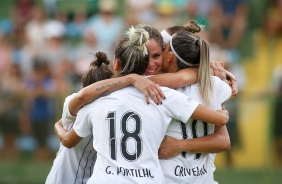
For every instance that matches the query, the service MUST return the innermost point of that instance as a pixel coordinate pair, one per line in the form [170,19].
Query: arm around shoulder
[182,78]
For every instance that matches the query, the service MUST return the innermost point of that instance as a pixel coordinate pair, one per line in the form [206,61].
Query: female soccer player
[75,165]
[185,49]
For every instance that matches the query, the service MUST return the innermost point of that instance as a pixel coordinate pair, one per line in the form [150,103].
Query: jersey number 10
[194,133]
[125,135]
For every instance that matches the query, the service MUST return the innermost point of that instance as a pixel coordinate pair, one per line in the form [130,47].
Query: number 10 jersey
[191,167]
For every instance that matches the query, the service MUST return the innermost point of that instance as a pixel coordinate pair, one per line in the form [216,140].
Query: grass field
[27,171]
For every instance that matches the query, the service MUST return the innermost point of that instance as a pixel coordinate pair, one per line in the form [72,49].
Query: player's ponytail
[98,70]
[191,51]
[132,52]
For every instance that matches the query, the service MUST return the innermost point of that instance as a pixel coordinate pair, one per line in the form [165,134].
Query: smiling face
[155,57]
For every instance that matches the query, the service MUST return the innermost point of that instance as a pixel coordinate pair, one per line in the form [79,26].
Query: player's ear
[170,56]
[116,65]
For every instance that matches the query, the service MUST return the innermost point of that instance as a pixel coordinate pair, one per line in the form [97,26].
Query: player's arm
[219,117]
[189,76]
[68,138]
[213,143]
[184,77]
[93,91]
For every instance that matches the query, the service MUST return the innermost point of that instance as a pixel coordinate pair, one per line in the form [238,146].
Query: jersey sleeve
[82,125]
[178,105]
[222,92]
[67,118]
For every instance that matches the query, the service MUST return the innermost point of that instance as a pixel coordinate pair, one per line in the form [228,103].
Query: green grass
[24,171]
[27,171]
[248,176]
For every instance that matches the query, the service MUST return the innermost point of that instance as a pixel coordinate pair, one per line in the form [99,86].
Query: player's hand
[169,148]
[218,69]
[233,83]
[149,89]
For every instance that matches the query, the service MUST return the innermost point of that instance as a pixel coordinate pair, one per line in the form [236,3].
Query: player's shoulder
[218,83]
[70,97]
[216,79]
[170,92]
[163,88]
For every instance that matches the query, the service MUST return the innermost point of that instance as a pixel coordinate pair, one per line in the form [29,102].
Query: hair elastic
[178,57]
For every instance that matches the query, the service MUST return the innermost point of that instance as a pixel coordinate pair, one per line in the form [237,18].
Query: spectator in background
[106,25]
[198,10]
[50,7]
[35,28]
[11,97]
[277,118]
[76,27]
[233,108]
[81,56]
[140,11]
[40,106]
[5,26]
[5,53]
[57,56]
[273,21]
[55,51]
[229,22]
[33,40]
[231,63]
[22,12]
[166,12]
[61,15]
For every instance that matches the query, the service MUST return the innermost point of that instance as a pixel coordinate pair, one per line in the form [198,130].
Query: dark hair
[173,29]
[186,43]
[98,70]
[132,52]
[153,33]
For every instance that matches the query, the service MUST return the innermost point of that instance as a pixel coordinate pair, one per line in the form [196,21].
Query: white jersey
[191,167]
[72,165]
[128,132]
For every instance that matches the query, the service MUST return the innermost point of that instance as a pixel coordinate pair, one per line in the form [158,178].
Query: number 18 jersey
[128,132]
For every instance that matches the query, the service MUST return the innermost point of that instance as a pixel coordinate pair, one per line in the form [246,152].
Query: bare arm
[68,138]
[93,91]
[189,76]
[184,77]
[219,117]
[214,143]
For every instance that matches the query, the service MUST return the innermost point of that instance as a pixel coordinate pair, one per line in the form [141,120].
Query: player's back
[128,132]
[192,167]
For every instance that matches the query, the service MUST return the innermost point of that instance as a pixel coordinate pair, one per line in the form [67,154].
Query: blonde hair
[132,52]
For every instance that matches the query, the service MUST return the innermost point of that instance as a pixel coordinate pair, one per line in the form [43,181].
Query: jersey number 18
[125,135]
